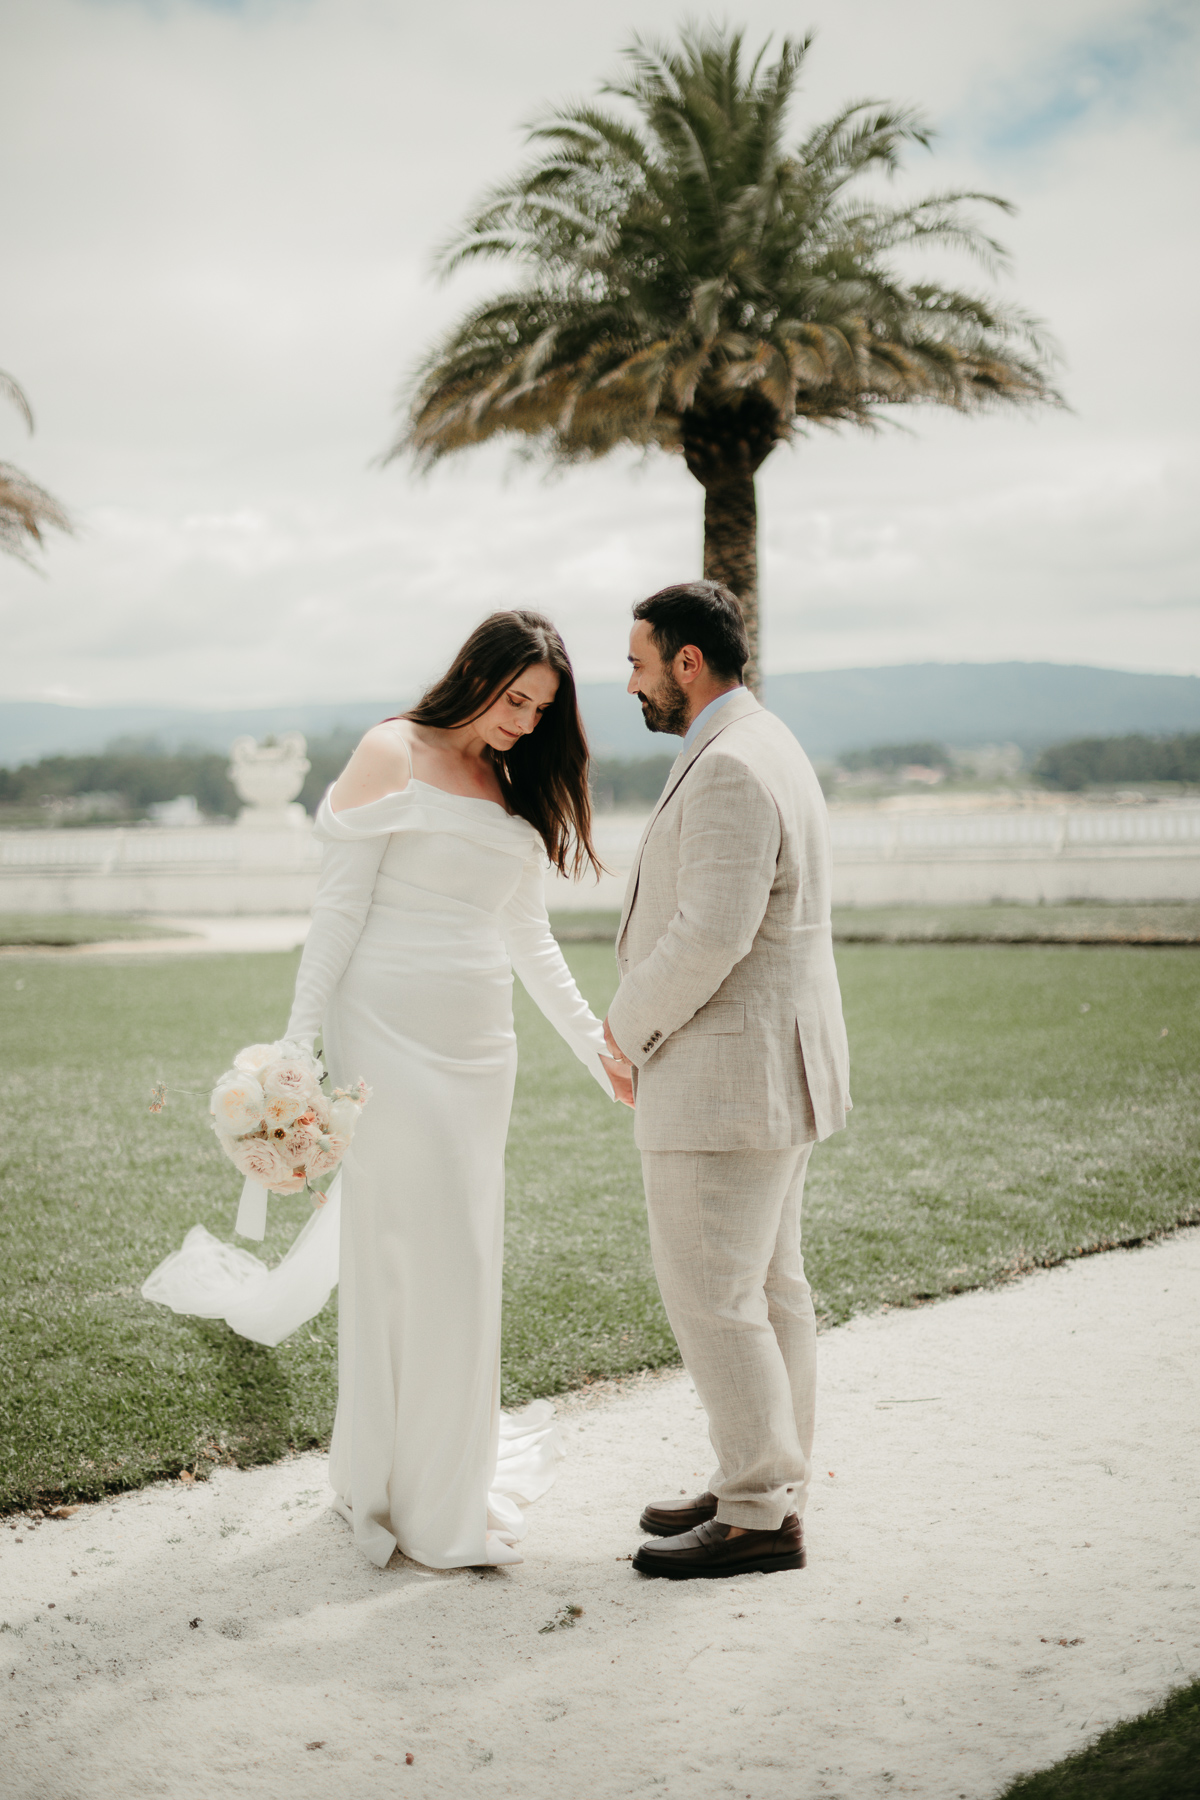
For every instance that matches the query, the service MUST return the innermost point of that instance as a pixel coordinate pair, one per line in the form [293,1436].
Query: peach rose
[236,1105]
[323,1159]
[281,1110]
[263,1161]
[290,1078]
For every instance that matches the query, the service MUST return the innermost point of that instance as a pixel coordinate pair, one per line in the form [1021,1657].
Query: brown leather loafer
[667,1518]
[709,1552]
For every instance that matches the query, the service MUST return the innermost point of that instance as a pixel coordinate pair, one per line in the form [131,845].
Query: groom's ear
[688,663]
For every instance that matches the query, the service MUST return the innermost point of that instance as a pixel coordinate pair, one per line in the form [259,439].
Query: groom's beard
[668,710]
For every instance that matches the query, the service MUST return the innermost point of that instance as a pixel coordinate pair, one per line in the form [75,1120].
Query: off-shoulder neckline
[340,812]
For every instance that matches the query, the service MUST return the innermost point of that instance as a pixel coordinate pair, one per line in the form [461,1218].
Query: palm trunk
[731,552]
[723,445]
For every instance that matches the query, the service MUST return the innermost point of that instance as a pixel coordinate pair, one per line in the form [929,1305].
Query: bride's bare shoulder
[381,765]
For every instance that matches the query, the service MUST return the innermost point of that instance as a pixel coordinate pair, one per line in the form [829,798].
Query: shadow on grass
[253,1395]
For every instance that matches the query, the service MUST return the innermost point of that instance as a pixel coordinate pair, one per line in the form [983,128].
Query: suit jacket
[729,1005]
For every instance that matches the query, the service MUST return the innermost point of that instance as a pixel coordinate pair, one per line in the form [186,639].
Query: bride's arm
[347,882]
[534,953]
[381,765]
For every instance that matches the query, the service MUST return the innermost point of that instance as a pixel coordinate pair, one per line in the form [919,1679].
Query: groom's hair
[702,613]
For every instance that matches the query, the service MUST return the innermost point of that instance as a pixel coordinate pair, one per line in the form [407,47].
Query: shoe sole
[654,1529]
[762,1565]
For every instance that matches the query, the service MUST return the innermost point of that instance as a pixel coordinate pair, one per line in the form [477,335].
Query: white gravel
[1003,1559]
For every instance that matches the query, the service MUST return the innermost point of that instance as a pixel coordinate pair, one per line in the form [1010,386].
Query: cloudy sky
[219,221]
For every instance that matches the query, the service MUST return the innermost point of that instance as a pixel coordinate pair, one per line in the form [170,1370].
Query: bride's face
[518,707]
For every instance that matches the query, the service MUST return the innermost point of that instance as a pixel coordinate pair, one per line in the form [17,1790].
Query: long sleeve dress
[427,903]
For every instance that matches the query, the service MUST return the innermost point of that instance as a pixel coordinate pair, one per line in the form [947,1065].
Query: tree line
[120,783]
[132,774]
[1105,762]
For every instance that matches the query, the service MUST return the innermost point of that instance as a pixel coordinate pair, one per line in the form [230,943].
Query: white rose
[237,1105]
[343,1117]
[254,1058]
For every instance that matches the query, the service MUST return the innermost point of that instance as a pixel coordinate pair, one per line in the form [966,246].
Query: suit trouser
[725,1236]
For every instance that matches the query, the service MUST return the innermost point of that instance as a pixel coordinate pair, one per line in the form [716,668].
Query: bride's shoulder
[381,765]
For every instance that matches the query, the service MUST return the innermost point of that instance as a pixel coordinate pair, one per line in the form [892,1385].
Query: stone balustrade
[1046,854]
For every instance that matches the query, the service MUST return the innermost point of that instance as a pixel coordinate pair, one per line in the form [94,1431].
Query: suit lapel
[740,707]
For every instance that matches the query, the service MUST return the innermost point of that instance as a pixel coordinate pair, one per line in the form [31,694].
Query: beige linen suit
[730,1011]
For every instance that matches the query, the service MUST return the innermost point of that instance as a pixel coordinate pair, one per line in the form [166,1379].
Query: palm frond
[686,260]
[26,511]
[12,390]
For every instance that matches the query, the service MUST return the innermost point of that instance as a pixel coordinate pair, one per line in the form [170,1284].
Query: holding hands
[618,1068]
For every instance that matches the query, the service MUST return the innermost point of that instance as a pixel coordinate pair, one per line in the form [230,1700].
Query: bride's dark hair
[544,777]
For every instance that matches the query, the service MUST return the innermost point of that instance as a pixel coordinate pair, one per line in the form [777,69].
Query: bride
[432,891]
[436,838]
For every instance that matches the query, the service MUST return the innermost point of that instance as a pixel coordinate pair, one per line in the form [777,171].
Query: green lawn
[1078,923]
[1154,1757]
[998,1124]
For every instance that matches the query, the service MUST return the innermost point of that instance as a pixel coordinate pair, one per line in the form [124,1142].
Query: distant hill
[963,704]
[30,729]
[830,711]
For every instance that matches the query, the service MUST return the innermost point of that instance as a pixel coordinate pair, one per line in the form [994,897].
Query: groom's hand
[620,1075]
[613,1045]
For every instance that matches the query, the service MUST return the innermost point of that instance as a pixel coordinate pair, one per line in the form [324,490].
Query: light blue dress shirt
[702,718]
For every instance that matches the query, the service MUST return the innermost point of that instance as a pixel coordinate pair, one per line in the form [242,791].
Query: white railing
[130,851]
[1047,832]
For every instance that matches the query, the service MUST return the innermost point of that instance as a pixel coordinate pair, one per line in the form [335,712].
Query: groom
[729,1011]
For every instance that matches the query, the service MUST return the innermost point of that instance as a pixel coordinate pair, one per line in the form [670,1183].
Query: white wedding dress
[427,903]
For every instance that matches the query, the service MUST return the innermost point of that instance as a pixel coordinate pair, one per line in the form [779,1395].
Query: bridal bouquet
[278,1125]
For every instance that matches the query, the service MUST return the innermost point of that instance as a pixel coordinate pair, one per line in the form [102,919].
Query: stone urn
[267,777]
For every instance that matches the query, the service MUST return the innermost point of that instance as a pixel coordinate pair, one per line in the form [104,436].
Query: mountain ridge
[829,710]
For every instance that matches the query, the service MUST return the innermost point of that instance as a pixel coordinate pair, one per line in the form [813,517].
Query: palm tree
[25,508]
[692,283]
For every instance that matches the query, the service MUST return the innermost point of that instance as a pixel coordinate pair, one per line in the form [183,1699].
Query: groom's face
[663,701]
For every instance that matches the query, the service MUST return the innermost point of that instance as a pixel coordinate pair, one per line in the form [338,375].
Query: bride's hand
[620,1075]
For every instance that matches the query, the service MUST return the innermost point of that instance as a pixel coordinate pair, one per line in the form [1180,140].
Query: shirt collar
[701,719]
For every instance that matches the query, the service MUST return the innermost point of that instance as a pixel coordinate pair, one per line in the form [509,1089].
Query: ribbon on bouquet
[251,1219]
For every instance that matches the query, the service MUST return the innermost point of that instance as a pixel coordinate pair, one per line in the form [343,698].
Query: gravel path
[1003,1559]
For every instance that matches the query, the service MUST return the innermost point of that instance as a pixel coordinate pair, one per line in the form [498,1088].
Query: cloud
[224,228]
[1111,71]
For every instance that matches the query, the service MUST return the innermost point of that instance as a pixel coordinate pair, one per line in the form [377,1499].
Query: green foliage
[628,781]
[327,757]
[1085,762]
[137,772]
[697,282]
[1154,1757]
[997,1125]
[897,756]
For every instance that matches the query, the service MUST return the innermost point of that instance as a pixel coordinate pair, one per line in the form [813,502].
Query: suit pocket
[722,1019]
